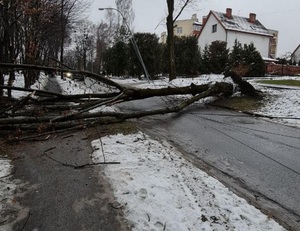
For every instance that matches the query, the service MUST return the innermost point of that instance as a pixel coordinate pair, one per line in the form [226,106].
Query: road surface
[56,196]
[254,157]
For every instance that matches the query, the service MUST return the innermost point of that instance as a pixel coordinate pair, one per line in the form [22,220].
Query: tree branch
[87,73]
[182,8]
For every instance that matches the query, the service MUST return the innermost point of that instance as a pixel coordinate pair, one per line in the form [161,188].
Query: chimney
[204,19]
[252,17]
[194,17]
[229,13]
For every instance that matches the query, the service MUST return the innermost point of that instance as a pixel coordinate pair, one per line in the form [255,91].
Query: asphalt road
[256,158]
[54,195]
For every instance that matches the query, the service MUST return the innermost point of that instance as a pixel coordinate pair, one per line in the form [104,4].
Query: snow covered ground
[283,103]
[159,190]
[154,185]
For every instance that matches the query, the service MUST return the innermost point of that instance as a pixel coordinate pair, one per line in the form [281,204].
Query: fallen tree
[44,111]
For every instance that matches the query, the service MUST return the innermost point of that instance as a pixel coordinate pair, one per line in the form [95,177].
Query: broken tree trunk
[43,68]
[87,119]
[48,111]
[245,87]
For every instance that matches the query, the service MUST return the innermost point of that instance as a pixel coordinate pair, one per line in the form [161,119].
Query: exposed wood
[245,87]
[46,112]
[43,68]
[202,90]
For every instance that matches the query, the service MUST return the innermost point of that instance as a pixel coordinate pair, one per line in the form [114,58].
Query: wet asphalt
[256,158]
[58,197]
[53,194]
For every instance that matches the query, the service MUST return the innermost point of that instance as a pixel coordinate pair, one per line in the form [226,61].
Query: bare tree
[69,13]
[102,43]
[125,7]
[170,29]
[126,17]
[85,43]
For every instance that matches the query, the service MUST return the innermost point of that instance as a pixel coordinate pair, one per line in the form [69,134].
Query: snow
[159,190]
[282,102]
[7,186]
[155,186]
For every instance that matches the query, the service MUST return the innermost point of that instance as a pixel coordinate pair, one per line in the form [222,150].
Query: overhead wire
[251,148]
[247,116]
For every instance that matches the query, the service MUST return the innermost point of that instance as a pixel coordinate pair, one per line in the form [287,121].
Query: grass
[5,149]
[242,103]
[287,82]
[111,129]
[124,127]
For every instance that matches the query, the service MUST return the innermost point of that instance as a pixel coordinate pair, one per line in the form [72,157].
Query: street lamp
[135,47]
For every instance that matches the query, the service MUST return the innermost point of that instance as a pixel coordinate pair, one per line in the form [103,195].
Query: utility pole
[135,47]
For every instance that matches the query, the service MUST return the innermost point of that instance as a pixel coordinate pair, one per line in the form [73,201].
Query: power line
[254,149]
[279,12]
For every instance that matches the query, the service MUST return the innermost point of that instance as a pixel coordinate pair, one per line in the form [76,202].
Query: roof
[241,24]
[295,50]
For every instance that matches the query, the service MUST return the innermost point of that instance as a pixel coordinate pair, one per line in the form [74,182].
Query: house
[228,28]
[295,56]
[273,43]
[185,27]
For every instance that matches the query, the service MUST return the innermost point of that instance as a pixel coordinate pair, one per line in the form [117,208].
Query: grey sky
[283,16]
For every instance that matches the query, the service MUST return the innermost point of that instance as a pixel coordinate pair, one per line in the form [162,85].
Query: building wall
[296,56]
[261,43]
[185,27]
[163,37]
[207,36]
[273,43]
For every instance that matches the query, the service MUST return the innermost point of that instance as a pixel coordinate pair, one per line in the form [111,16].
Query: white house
[227,27]
[184,28]
[296,55]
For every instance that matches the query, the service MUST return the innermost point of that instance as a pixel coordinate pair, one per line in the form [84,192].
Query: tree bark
[199,91]
[87,73]
[18,116]
[170,40]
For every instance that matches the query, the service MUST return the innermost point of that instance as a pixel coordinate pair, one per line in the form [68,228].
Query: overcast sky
[283,16]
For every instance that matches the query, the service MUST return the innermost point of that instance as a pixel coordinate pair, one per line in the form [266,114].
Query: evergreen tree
[235,58]
[218,56]
[245,61]
[254,61]
[205,66]
[116,59]
[151,52]
[187,55]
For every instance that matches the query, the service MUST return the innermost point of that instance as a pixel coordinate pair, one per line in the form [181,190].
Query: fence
[282,69]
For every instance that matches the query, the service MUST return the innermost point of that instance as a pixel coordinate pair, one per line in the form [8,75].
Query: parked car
[78,77]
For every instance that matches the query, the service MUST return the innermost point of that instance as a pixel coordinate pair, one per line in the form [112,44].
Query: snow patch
[159,190]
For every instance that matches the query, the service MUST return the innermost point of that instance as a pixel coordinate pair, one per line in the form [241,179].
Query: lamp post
[135,47]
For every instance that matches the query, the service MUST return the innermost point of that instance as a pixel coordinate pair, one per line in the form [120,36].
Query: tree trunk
[170,40]
[1,72]
[1,83]
[62,27]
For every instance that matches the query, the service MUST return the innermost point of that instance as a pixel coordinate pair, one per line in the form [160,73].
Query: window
[196,27]
[214,28]
[179,30]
